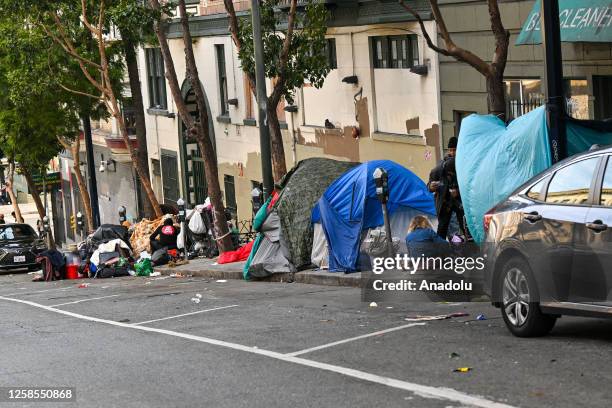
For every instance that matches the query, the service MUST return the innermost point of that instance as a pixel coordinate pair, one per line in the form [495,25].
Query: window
[535,191]
[330,52]
[571,184]
[230,193]
[155,78]
[169,168]
[606,186]
[249,98]
[396,51]
[458,117]
[220,50]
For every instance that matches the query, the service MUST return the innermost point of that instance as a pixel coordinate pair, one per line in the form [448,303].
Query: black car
[549,246]
[19,246]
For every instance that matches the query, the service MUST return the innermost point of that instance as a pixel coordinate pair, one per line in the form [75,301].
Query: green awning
[581,21]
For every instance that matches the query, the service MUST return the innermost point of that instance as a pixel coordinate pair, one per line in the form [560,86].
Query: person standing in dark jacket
[443,183]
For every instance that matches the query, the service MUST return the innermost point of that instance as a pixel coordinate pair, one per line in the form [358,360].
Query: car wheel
[519,301]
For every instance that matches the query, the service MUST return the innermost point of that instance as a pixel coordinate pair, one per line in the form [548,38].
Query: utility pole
[91,172]
[262,103]
[553,61]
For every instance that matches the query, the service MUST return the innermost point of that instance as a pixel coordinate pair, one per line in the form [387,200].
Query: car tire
[517,285]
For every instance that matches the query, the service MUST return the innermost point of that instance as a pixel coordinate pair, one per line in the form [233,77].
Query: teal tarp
[493,160]
[580,21]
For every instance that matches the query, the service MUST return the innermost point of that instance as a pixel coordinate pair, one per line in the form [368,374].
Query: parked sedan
[19,246]
[549,246]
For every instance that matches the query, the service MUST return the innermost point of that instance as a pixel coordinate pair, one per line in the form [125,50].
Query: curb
[307,277]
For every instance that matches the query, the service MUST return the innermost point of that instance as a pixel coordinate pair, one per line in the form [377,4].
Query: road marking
[363,336]
[185,314]
[83,300]
[33,293]
[425,391]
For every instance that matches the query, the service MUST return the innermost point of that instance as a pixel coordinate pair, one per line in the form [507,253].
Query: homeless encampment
[286,230]
[349,207]
[494,159]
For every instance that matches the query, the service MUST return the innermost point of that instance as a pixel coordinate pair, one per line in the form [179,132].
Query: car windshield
[16,232]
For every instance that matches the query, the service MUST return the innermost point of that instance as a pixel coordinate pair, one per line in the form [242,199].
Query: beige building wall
[397,113]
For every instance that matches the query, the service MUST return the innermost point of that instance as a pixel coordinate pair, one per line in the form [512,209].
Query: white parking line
[35,292]
[422,390]
[83,300]
[363,336]
[185,314]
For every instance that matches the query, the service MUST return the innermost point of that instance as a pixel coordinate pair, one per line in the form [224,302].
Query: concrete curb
[312,277]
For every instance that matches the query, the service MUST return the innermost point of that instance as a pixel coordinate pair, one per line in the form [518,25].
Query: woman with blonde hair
[422,239]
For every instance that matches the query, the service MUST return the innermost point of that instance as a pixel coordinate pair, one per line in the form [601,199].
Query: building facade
[380,101]
[587,66]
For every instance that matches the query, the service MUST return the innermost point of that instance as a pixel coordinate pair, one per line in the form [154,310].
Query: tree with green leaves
[292,54]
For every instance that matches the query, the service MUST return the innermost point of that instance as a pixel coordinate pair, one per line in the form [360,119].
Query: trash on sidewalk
[462,370]
[83,285]
[195,300]
[144,267]
[198,295]
[221,281]
[177,262]
[420,318]
[454,355]
[373,304]
[154,274]
[481,317]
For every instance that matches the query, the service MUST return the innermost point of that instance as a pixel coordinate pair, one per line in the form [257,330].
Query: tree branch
[502,37]
[428,39]
[85,20]
[74,91]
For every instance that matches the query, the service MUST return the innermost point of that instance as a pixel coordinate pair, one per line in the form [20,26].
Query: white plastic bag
[179,240]
[196,224]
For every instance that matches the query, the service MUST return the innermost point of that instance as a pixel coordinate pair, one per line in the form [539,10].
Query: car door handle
[597,226]
[532,216]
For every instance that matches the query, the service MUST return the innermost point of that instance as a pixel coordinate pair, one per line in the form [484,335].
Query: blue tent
[494,159]
[349,206]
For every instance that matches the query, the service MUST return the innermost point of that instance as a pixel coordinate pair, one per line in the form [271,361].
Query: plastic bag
[179,241]
[144,267]
[196,224]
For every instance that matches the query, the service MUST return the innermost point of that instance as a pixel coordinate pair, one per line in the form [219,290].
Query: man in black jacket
[443,183]
[167,234]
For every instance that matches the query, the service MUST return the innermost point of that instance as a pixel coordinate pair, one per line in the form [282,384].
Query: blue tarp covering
[493,160]
[349,206]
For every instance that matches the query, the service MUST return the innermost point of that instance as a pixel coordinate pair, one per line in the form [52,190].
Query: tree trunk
[39,204]
[279,167]
[11,192]
[82,186]
[138,105]
[496,95]
[224,240]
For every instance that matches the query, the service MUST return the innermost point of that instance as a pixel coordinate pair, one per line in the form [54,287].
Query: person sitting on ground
[167,233]
[422,240]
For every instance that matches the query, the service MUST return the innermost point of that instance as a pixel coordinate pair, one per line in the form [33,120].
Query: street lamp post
[553,60]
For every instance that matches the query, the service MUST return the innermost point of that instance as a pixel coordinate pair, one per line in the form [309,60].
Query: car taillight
[486,221]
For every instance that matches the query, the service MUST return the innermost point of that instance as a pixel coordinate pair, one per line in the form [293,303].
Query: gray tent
[288,231]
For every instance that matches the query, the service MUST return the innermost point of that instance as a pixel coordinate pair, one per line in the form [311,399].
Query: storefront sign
[51,180]
[580,20]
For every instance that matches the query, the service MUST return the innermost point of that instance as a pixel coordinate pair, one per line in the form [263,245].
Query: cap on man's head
[452,143]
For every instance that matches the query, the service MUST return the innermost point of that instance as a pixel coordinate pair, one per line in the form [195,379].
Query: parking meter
[256,199]
[79,223]
[381,179]
[122,216]
[182,218]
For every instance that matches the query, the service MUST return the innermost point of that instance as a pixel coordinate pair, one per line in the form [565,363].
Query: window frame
[594,179]
[230,179]
[605,160]
[331,53]
[222,79]
[156,81]
[408,57]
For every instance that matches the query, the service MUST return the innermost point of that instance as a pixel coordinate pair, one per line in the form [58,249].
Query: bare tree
[74,148]
[98,74]
[197,127]
[493,71]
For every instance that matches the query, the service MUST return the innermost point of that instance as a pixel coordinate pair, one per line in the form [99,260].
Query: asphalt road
[142,342]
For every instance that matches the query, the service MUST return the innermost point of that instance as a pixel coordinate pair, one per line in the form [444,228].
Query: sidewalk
[209,268]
